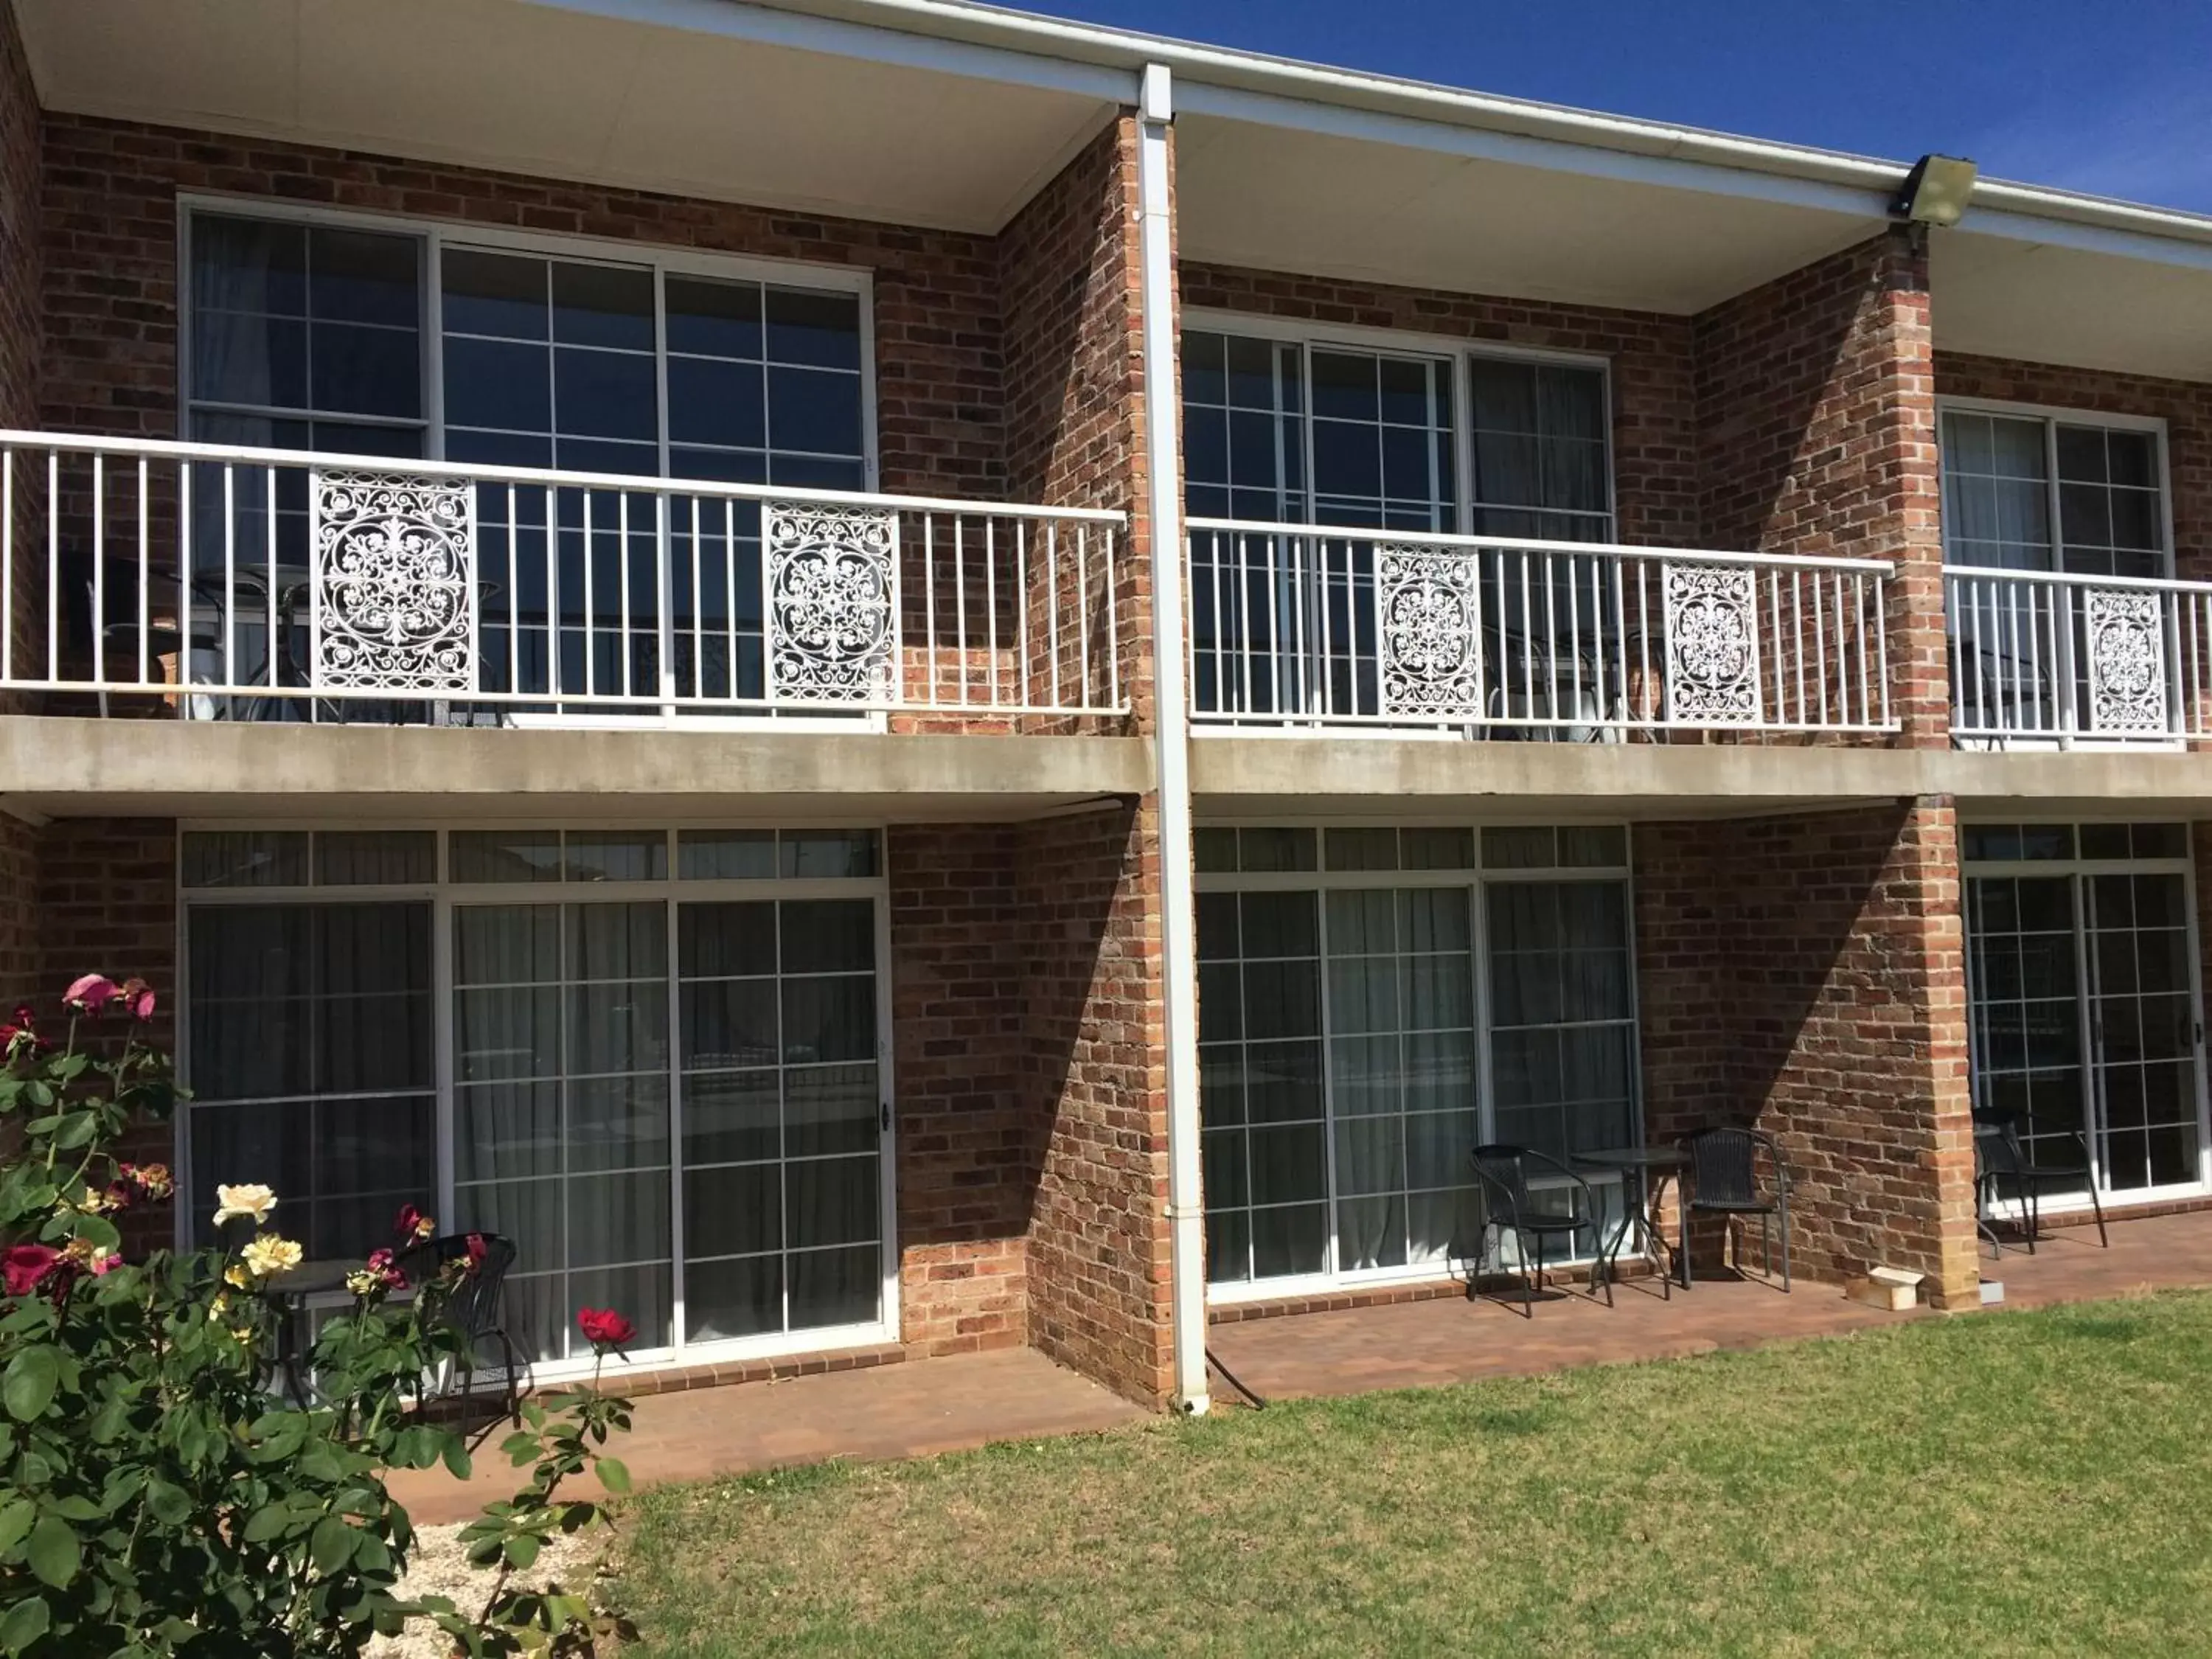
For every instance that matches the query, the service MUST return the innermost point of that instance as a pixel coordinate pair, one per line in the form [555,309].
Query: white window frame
[1460,351]
[2052,417]
[2078,867]
[434,235]
[196,1187]
[1475,879]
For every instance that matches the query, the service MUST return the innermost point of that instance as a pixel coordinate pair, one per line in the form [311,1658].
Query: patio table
[1650,1168]
[292,1294]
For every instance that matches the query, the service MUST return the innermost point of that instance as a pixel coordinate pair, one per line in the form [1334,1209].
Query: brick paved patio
[942,1405]
[962,1401]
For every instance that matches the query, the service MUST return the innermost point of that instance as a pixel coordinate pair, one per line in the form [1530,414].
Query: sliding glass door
[1375,1002]
[662,1068]
[2085,1000]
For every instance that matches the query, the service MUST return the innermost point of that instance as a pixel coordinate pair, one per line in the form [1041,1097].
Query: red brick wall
[1654,428]
[1094,1066]
[966,1132]
[1071,283]
[1807,975]
[106,900]
[1816,435]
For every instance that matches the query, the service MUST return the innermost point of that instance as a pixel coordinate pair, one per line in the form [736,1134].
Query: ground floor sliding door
[1375,1002]
[2086,997]
[653,1059]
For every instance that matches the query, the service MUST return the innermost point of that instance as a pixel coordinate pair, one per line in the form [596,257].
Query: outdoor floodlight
[1935,192]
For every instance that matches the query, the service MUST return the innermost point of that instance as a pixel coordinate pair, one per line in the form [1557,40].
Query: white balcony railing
[218,582]
[2059,658]
[1297,626]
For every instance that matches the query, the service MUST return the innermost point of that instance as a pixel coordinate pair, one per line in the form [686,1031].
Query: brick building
[900,682]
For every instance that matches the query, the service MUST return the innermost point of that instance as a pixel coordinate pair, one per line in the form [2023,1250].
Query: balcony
[2043,659]
[1298,627]
[210,582]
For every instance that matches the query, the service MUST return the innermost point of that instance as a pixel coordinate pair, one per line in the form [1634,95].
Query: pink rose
[92,993]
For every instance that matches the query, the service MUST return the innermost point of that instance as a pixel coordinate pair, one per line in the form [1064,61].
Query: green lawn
[2014,1483]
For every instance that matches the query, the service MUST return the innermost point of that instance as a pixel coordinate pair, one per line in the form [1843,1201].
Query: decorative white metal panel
[1431,608]
[392,584]
[2124,633]
[832,602]
[1713,644]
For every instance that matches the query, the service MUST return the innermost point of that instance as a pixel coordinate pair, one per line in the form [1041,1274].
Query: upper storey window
[2061,493]
[445,343]
[1300,431]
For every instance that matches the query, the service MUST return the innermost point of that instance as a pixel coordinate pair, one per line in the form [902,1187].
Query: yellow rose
[270,1254]
[252,1200]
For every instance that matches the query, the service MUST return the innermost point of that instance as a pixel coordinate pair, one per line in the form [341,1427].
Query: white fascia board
[876,43]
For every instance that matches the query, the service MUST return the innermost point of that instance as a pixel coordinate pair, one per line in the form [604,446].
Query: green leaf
[457,1458]
[28,1386]
[614,1475]
[270,1521]
[24,1624]
[76,1128]
[54,1551]
[16,1517]
[521,1550]
[330,1545]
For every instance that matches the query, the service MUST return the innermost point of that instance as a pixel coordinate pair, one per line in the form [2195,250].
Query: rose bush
[157,1497]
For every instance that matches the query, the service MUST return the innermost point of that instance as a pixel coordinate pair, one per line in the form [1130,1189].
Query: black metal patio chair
[2061,1159]
[1724,1181]
[1503,1170]
[476,1308]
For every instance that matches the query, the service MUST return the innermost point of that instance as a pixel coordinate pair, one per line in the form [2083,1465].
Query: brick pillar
[1816,410]
[965,1135]
[1096,1066]
[1807,975]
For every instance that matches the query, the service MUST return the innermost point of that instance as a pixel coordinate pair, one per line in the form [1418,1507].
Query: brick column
[1816,408]
[1806,976]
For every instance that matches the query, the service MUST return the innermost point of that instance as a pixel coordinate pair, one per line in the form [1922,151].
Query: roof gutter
[1194,63]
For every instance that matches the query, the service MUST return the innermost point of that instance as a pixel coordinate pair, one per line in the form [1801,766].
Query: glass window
[781,1179]
[561,1121]
[311,1052]
[1541,467]
[2032,492]
[320,324]
[1562,1019]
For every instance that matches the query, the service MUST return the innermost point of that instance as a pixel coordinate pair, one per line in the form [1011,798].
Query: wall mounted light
[1935,192]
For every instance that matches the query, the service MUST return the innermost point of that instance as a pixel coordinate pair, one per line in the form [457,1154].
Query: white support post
[1178,921]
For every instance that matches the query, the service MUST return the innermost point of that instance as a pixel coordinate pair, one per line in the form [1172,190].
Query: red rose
[24,1265]
[119,1194]
[603,1327]
[476,1251]
[403,1226]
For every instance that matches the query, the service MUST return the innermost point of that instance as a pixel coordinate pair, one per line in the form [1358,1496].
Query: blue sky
[2114,96]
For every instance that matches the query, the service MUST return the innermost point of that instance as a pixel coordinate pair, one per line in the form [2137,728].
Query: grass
[2028,1483]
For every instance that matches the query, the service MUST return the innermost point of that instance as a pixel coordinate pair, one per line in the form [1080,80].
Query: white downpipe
[1171,743]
